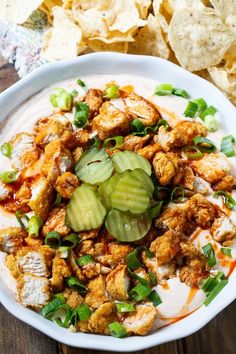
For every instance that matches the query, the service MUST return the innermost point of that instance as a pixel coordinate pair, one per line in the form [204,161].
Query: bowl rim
[31,84]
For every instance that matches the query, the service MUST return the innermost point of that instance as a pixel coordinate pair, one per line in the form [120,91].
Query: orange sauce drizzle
[192,293]
[166,111]
[231,268]
[165,286]
[127,89]
[195,234]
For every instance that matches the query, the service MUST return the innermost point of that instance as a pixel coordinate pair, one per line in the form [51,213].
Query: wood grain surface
[218,337]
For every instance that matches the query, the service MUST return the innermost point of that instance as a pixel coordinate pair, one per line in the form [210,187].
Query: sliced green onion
[53,239]
[34,225]
[153,278]
[202,105]
[229,201]
[63,251]
[55,93]
[137,125]
[112,92]
[204,144]
[211,123]
[61,99]
[148,253]
[6,149]
[117,330]
[191,109]
[52,306]
[19,216]
[226,251]
[74,93]
[215,292]
[114,143]
[162,122]
[81,83]
[81,114]
[61,316]
[80,313]
[139,279]
[192,152]
[76,284]
[209,254]
[71,240]
[125,307]
[209,111]
[156,209]
[8,176]
[133,261]
[162,193]
[164,89]
[180,92]
[84,260]
[139,292]
[94,142]
[209,284]
[177,194]
[58,199]
[227,145]
[155,298]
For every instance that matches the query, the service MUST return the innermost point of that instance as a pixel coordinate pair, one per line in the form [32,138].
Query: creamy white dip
[178,299]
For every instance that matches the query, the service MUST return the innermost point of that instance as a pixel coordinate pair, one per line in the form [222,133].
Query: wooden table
[218,337]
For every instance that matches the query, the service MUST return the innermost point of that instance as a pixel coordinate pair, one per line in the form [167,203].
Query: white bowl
[113,63]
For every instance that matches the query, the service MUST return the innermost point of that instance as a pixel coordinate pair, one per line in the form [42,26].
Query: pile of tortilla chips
[198,35]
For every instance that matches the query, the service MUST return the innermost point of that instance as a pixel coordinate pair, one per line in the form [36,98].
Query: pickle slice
[106,188]
[129,160]
[129,195]
[127,227]
[94,166]
[146,181]
[85,210]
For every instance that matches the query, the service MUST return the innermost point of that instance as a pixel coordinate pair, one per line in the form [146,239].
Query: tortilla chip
[199,39]
[63,40]
[149,40]
[225,81]
[18,11]
[99,46]
[116,36]
[172,5]
[83,5]
[231,23]
[91,22]
[143,7]
[224,8]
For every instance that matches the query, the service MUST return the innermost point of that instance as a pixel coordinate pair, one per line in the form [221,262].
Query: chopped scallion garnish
[8,176]
[192,152]
[177,194]
[81,114]
[84,260]
[155,298]
[155,210]
[215,292]
[76,284]
[209,111]
[83,311]
[34,225]
[112,92]
[226,251]
[113,143]
[61,315]
[52,305]
[202,105]
[191,109]
[53,239]
[125,307]
[139,279]
[227,145]
[180,92]
[63,251]
[139,292]
[153,278]
[133,261]
[71,240]
[74,93]
[81,83]
[204,144]
[211,123]
[229,201]
[61,99]
[94,142]
[163,89]
[209,254]
[6,149]
[137,125]
[20,217]
[117,330]
[162,193]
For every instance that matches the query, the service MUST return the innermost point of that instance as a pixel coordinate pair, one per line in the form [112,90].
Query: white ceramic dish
[113,63]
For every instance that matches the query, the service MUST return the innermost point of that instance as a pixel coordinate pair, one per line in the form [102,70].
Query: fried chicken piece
[60,270]
[91,234]
[212,167]
[12,266]
[165,247]
[174,218]
[137,107]
[57,160]
[200,186]
[182,134]
[96,295]
[6,191]
[162,272]
[227,183]
[56,222]
[117,283]
[73,298]
[76,154]
[134,142]
[110,121]
[33,291]
[111,254]
[102,317]
[94,99]
[42,195]
[53,127]
[141,321]
[24,151]
[168,168]
[223,229]
[194,271]
[201,211]
[11,239]
[23,196]
[91,270]
[74,266]
[66,184]
[149,151]
[82,138]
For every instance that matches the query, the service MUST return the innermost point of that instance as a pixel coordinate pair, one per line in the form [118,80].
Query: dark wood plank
[8,75]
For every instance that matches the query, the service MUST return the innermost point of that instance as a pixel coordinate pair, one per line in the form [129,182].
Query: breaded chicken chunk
[182,134]
[66,184]
[91,270]
[110,121]
[94,99]
[168,168]
[141,321]
[74,266]
[76,154]
[227,183]
[223,229]
[212,167]
[165,247]
[6,191]
[174,218]
[56,221]
[33,291]
[201,186]
[137,107]
[201,211]
[73,298]
[162,272]
[42,195]
[96,295]
[82,138]
[36,261]
[57,160]
[84,235]
[24,151]
[117,283]
[11,239]
[102,317]
[60,270]
[195,270]
[134,142]
[12,266]
[149,151]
